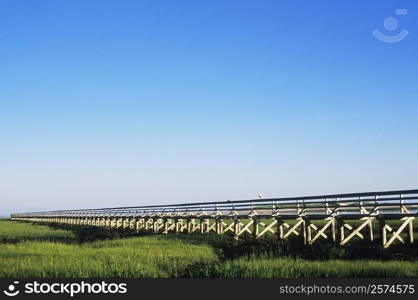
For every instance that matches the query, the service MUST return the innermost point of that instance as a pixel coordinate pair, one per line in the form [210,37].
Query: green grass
[141,257]
[165,257]
[32,250]
[292,268]
[12,231]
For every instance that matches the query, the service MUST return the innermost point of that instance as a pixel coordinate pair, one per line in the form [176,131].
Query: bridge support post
[307,231]
[237,227]
[255,226]
[189,224]
[369,230]
[382,231]
[279,228]
[304,230]
[154,226]
[219,229]
[411,231]
[164,225]
[179,225]
[202,225]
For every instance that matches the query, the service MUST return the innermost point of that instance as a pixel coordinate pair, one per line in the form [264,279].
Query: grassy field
[11,231]
[143,257]
[35,251]
[300,268]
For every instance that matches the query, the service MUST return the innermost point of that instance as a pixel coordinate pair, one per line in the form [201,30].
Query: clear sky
[114,103]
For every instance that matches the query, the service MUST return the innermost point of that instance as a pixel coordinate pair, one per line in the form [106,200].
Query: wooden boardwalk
[338,218]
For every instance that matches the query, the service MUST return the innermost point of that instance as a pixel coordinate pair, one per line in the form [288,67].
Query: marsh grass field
[33,250]
[11,231]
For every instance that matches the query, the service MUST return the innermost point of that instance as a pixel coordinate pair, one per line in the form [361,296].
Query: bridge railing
[388,203]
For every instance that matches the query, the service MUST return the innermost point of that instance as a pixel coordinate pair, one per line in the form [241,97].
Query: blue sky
[113,103]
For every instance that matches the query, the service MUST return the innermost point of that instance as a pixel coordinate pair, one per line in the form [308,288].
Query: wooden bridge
[384,216]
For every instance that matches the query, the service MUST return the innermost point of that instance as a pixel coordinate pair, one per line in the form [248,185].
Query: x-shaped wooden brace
[125,223]
[229,227]
[158,224]
[211,227]
[119,223]
[140,224]
[149,224]
[356,232]
[267,228]
[246,228]
[132,224]
[180,226]
[321,232]
[193,226]
[390,229]
[408,221]
[292,229]
[169,225]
